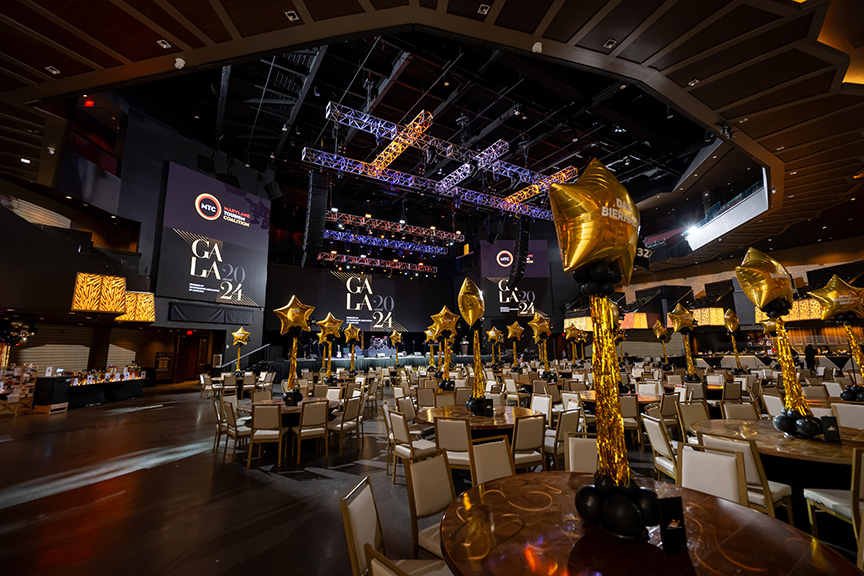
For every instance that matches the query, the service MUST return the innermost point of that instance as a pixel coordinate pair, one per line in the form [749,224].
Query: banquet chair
[762,494]
[206,384]
[588,420]
[818,391]
[320,390]
[234,429]
[221,424]
[248,382]
[555,441]
[665,459]
[461,396]
[528,442]
[261,395]
[380,565]
[430,492]
[674,379]
[669,411]
[689,413]
[843,504]
[542,404]
[334,393]
[445,400]
[266,428]
[713,471]
[404,446]
[646,388]
[731,392]
[833,389]
[313,424]
[773,404]
[350,421]
[425,398]
[849,415]
[739,411]
[491,459]
[581,455]
[497,399]
[513,393]
[453,436]
[630,414]
[695,390]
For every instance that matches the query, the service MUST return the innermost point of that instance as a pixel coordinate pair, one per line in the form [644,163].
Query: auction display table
[56,391]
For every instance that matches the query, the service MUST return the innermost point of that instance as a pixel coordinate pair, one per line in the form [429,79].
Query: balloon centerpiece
[430,339]
[445,323]
[241,338]
[730,319]
[514,333]
[295,320]
[842,303]
[495,336]
[769,286]
[395,340]
[662,334]
[540,326]
[597,224]
[329,333]
[472,307]
[352,334]
[683,323]
[571,334]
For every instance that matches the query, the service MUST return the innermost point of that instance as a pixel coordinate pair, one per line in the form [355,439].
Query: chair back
[352,409]
[674,379]
[248,379]
[629,406]
[461,396]
[569,423]
[691,412]
[445,400]
[739,411]
[754,474]
[229,414]
[426,397]
[732,391]
[658,437]
[406,407]
[542,404]
[430,486]
[266,417]
[695,390]
[400,428]
[646,388]
[320,390]
[453,434]
[713,471]
[334,393]
[362,526]
[313,414]
[491,459]
[460,383]
[773,404]
[539,387]
[497,399]
[554,393]
[818,391]
[570,400]
[668,403]
[528,433]
[849,415]
[581,455]
[261,395]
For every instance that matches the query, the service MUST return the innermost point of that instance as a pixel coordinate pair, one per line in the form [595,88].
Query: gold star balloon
[763,279]
[514,331]
[540,325]
[730,320]
[581,336]
[241,337]
[445,321]
[616,314]
[322,337]
[431,333]
[395,338]
[682,319]
[571,332]
[352,333]
[660,331]
[596,220]
[295,314]
[838,297]
[769,326]
[471,303]
[330,325]
[494,335]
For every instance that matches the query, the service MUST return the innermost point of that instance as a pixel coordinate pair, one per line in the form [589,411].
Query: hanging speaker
[316,209]
[271,187]
[521,252]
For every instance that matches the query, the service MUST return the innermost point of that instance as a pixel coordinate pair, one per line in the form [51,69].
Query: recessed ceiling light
[770,239]
[793,173]
[112,216]
[779,148]
[163,43]
[52,70]
[743,120]
[610,43]
[693,82]
[68,197]
[791,196]
[292,15]
[25,160]
[483,9]
[824,227]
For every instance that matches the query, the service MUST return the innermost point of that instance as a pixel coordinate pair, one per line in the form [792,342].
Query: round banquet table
[590,397]
[331,404]
[528,524]
[504,418]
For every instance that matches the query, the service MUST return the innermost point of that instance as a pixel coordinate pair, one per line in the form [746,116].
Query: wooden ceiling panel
[812,150]
[22,113]
[571,17]
[740,53]
[10,82]
[36,54]
[524,17]
[386,4]
[429,4]
[672,24]
[824,176]
[739,21]
[262,16]
[155,13]
[335,8]
[109,25]
[468,8]
[41,25]
[758,78]
[763,125]
[824,128]
[201,13]
[852,147]
[818,84]
[618,24]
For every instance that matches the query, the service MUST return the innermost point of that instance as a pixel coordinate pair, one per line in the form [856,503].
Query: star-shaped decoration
[769,326]
[838,297]
[330,326]
[540,325]
[763,279]
[471,303]
[682,319]
[352,333]
[596,220]
[660,331]
[295,314]
[581,336]
[445,322]
[322,337]
[395,338]
[571,332]
[494,335]
[730,320]
[514,331]
[241,337]
[430,335]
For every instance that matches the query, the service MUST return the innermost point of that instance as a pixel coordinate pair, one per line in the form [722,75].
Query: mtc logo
[504,258]
[208,206]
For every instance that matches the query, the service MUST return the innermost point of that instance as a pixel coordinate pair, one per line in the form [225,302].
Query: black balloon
[621,515]
[615,274]
[600,272]
[607,288]
[859,397]
[604,484]
[808,427]
[582,275]
[784,424]
[589,504]
[848,395]
[474,405]
[590,288]
[648,506]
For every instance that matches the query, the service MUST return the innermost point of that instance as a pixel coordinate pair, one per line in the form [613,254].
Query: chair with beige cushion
[233,429]
[320,390]
[665,458]
[262,395]
[266,428]
[406,447]
[555,442]
[630,415]
[739,411]
[430,492]
[461,396]
[453,435]
[349,422]
[843,504]
[542,403]
[713,471]
[528,435]
[313,424]
[732,392]
[445,399]
[849,415]
[758,485]
[773,404]
[221,424]
[491,459]
[690,412]
[581,455]
[815,392]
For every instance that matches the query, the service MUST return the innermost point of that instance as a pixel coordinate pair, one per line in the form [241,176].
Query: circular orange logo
[504,258]
[208,206]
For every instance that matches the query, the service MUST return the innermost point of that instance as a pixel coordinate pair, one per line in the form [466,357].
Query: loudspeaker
[271,187]
[521,252]
[316,208]
[496,224]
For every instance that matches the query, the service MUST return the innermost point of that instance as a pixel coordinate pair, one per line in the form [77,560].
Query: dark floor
[133,488]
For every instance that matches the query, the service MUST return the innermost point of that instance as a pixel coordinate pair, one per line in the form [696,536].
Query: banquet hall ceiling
[752,73]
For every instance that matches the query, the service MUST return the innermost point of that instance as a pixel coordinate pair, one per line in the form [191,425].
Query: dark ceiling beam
[383,86]
[223,99]
[273,101]
[225,19]
[776,88]
[48,41]
[308,82]
[287,95]
[649,21]
[185,22]
[168,36]
[288,69]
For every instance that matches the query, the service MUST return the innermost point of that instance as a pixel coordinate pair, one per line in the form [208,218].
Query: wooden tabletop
[332,404]
[772,442]
[505,416]
[590,396]
[528,524]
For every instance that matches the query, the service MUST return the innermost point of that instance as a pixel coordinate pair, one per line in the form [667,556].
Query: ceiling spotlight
[163,43]
[517,110]
[627,161]
[483,9]
[334,209]
[292,16]
[610,43]
[446,80]
[669,114]
[52,70]
[285,127]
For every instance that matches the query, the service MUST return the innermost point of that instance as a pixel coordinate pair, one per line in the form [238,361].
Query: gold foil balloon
[352,333]
[514,331]
[330,325]
[730,320]
[241,337]
[769,326]
[322,337]
[445,321]
[682,319]
[660,331]
[540,325]
[494,335]
[430,335]
[616,314]
[395,338]
[763,279]
[571,332]
[471,303]
[839,298]
[295,314]
[596,220]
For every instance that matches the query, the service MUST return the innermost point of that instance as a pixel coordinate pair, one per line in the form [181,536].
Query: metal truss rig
[384,242]
[388,226]
[564,175]
[481,162]
[375,262]
[426,185]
